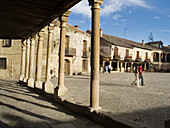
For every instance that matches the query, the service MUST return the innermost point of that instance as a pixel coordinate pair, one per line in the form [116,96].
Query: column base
[61,91]
[38,84]
[48,87]
[21,78]
[25,80]
[30,82]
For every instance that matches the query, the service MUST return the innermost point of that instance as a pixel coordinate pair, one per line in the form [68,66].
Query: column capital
[51,27]
[64,16]
[91,2]
[28,42]
[23,43]
[41,33]
[32,40]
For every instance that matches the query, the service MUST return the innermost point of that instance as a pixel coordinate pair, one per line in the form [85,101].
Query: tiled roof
[166,48]
[124,42]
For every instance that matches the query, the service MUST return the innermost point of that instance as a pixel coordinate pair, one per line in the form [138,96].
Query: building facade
[124,55]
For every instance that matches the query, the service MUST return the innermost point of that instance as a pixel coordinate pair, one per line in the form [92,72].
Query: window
[85,65]
[84,48]
[137,55]
[146,55]
[2,63]
[7,43]
[67,44]
[127,52]
[116,51]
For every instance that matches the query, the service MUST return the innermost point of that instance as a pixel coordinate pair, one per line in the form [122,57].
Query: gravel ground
[146,107]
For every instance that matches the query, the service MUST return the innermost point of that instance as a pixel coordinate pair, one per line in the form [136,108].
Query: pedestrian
[109,68]
[136,81]
[140,75]
[106,68]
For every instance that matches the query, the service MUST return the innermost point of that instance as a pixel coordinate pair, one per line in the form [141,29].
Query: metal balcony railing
[70,52]
[116,57]
[127,57]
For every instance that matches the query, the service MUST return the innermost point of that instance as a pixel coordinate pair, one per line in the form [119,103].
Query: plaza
[144,107]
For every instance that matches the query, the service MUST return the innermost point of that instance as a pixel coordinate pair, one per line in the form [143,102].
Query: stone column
[118,66]
[121,66]
[125,66]
[95,53]
[31,65]
[159,61]
[48,85]
[23,61]
[38,83]
[145,66]
[131,66]
[27,61]
[61,90]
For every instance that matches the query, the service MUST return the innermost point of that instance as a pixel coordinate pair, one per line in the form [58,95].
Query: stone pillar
[38,83]
[23,61]
[61,90]
[95,53]
[145,66]
[125,66]
[118,66]
[121,66]
[31,65]
[159,61]
[48,85]
[27,61]
[131,66]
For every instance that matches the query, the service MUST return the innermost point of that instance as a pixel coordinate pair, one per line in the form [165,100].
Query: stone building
[77,53]
[124,55]
[10,58]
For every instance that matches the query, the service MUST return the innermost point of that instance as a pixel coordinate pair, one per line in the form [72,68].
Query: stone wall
[13,59]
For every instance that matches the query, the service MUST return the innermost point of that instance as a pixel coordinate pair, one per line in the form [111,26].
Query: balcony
[147,60]
[138,59]
[70,52]
[128,58]
[116,57]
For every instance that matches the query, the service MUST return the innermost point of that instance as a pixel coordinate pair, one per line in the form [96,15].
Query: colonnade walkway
[20,107]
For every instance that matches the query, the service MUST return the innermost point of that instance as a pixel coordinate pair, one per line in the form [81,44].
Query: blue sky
[139,17]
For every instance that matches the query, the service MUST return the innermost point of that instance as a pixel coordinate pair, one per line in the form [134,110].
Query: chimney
[143,42]
[76,26]
[101,32]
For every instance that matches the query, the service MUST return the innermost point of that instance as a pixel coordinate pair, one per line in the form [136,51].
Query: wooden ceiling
[20,19]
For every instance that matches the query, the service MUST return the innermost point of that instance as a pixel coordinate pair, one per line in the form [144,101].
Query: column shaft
[27,61]
[61,90]
[48,84]
[23,61]
[31,65]
[38,82]
[95,53]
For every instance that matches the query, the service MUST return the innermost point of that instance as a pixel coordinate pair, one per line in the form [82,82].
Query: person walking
[141,76]
[136,81]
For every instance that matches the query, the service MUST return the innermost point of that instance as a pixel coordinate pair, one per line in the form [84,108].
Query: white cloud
[111,6]
[157,17]
[82,8]
[123,20]
[130,11]
[108,7]
[116,17]
[165,30]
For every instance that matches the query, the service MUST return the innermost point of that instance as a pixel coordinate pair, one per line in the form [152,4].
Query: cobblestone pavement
[22,108]
[144,107]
